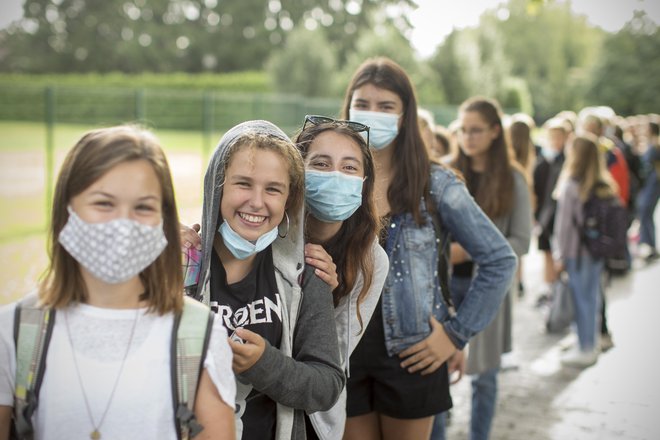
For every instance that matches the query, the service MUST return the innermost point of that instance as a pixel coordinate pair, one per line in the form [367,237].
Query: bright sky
[435,19]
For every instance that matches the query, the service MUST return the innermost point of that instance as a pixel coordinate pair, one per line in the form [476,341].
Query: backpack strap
[33,327]
[190,339]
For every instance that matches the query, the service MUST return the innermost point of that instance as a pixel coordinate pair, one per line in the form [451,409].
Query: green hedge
[159,108]
[252,82]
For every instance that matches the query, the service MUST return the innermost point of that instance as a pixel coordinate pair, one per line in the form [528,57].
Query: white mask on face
[115,251]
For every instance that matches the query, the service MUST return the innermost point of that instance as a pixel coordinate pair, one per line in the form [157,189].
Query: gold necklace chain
[96,434]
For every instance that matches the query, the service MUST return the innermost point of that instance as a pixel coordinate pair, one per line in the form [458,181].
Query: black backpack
[605,226]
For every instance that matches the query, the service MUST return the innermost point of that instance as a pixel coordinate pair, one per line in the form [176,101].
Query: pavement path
[617,398]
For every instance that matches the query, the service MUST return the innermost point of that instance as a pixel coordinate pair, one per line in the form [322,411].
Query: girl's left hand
[430,353]
[248,352]
[315,255]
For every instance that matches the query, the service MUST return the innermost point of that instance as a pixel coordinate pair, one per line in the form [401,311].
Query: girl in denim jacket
[398,373]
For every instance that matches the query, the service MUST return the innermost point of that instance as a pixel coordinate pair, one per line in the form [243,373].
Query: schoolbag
[604,227]
[33,326]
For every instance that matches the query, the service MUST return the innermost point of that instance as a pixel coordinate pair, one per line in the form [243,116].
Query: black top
[252,303]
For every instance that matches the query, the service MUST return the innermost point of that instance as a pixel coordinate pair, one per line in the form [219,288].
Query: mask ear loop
[286,215]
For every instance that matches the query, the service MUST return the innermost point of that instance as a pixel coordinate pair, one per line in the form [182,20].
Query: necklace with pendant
[96,433]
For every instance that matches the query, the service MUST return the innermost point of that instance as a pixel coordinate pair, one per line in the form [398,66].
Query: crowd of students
[342,271]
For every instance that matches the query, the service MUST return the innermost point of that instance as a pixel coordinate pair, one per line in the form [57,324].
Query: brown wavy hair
[585,164]
[495,193]
[350,248]
[412,166]
[96,153]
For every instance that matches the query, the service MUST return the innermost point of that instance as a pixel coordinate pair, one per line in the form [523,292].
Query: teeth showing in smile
[252,218]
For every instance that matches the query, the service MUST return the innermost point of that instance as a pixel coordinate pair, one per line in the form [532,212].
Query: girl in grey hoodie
[253,273]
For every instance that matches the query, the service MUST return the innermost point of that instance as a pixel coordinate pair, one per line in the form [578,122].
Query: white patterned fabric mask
[114,251]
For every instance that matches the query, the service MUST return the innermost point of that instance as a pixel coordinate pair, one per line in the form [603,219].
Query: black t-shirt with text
[252,303]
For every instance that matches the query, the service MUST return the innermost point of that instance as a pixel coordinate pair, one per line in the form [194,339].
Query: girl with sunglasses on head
[113,291]
[341,217]
[398,373]
[500,187]
[253,273]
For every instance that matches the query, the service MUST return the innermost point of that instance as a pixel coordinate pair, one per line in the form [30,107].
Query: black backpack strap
[191,333]
[33,328]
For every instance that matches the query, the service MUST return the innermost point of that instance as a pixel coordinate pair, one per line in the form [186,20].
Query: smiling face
[128,190]
[255,192]
[475,134]
[332,151]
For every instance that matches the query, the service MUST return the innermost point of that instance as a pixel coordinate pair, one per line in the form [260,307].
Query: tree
[627,77]
[167,35]
[305,64]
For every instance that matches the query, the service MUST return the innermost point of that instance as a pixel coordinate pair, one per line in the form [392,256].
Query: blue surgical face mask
[383,127]
[332,196]
[242,248]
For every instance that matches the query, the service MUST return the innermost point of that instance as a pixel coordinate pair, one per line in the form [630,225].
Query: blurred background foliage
[535,56]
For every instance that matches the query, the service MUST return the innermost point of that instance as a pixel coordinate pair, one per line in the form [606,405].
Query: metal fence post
[49,113]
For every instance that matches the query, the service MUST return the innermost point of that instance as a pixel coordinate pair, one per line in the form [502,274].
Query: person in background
[398,373]
[650,192]
[427,130]
[115,282]
[546,172]
[500,186]
[444,141]
[584,174]
[341,217]
[253,273]
[519,135]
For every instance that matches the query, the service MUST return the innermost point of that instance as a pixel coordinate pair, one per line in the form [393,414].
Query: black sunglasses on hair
[357,127]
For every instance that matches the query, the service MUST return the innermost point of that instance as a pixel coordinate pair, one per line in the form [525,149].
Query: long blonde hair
[96,153]
[586,165]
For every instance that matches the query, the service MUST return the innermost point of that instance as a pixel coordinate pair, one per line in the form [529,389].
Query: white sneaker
[578,358]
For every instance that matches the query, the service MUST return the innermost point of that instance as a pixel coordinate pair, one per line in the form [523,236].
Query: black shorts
[378,383]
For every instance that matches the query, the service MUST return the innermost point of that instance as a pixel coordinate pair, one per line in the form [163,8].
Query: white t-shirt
[142,404]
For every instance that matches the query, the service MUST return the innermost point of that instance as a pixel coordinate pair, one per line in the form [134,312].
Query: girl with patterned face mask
[253,274]
[341,217]
[114,282]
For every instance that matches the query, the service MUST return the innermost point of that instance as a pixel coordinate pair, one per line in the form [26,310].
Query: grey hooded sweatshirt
[305,373]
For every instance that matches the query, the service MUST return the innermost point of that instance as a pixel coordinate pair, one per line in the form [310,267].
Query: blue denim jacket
[412,292]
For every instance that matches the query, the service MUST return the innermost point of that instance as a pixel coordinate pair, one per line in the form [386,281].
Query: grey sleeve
[566,235]
[312,379]
[520,227]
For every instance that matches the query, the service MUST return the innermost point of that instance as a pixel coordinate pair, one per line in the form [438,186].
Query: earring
[286,215]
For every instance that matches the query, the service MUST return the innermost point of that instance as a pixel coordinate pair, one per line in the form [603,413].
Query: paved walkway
[618,398]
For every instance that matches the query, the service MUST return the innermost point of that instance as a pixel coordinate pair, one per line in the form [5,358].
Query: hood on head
[213,179]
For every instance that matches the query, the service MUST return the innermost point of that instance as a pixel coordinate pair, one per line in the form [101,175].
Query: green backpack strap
[190,340]
[33,327]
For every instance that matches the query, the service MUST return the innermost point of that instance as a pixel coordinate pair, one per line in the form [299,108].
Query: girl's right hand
[190,236]
[316,255]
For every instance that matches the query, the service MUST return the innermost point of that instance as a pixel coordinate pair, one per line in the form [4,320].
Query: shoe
[606,342]
[654,255]
[579,359]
